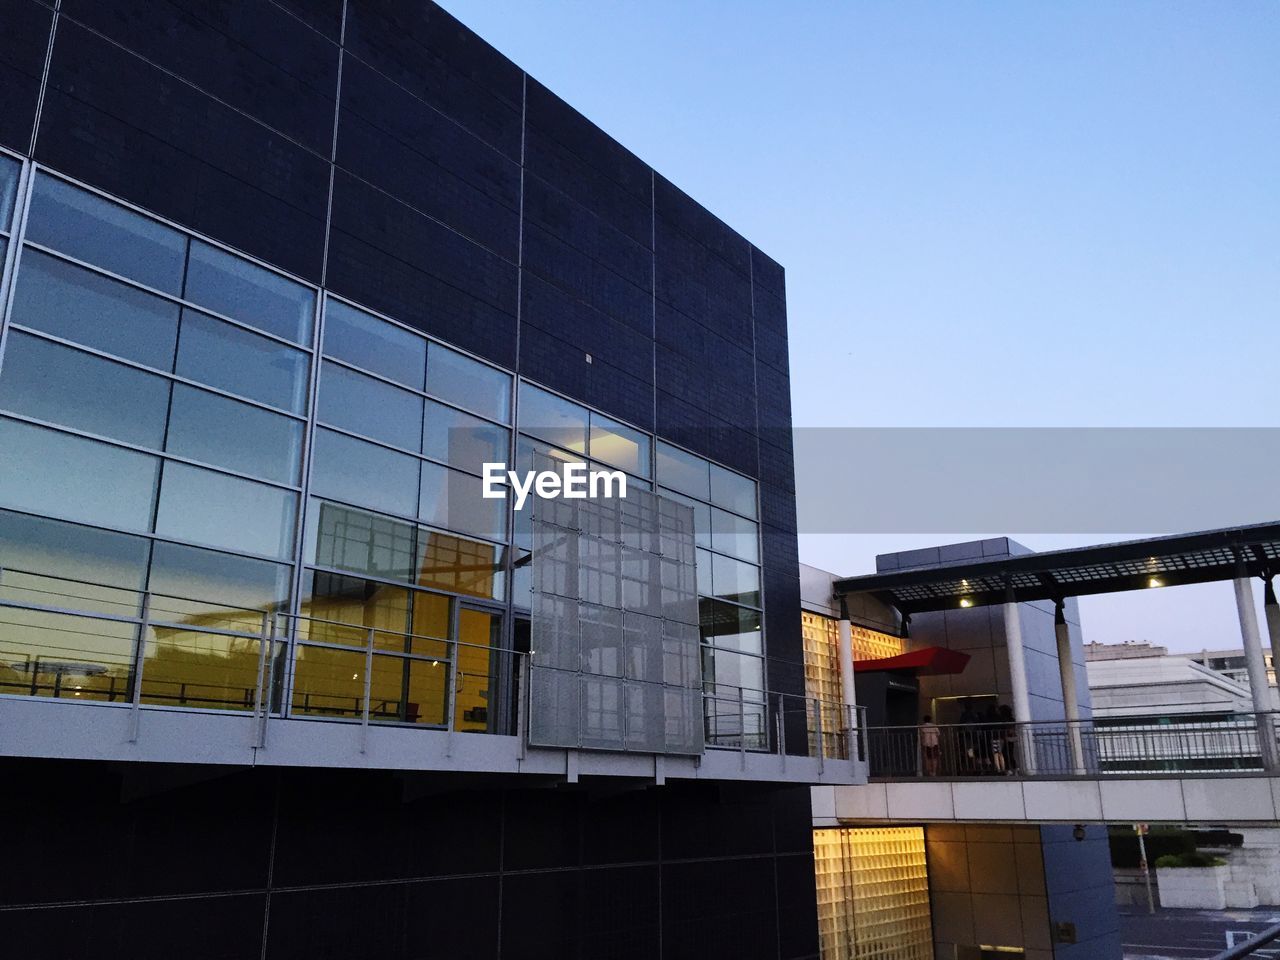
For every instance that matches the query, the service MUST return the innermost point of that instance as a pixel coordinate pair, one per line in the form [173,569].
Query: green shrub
[1161,842]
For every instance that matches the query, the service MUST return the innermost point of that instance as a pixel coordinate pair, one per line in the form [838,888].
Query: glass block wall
[873,894]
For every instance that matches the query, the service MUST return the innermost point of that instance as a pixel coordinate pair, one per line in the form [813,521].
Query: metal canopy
[1058,574]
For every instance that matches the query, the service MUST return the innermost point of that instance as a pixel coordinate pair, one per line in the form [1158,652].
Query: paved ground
[1194,934]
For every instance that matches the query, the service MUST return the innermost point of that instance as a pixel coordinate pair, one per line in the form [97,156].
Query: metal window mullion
[304,511]
[139,658]
[18,230]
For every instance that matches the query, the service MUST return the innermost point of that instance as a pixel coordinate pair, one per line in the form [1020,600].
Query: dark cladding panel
[324,16]
[774,398]
[798,903]
[739,923]
[552,310]
[574,272]
[253,56]
[122,125]
[397,142]
[697,222]
[431,54]
[767,273]
[24,40]
[392,258]
[559,214]
[705,434]
[700,284]
[561,365]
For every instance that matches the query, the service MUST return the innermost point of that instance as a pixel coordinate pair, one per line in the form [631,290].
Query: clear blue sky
[996,213]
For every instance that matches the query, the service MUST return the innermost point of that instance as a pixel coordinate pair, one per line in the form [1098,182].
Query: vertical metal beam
[139,657]
[1257,667]
[848,691]
[1070,695]
[368,691]
[1018,678]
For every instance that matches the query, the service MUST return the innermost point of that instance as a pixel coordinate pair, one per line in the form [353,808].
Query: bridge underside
[1239,800]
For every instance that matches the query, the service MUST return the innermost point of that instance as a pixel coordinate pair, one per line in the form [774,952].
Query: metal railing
[1086,748]
[1250,946]
[789,725]
[69,639]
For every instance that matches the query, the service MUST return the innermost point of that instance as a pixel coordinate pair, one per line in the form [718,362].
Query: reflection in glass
[364,340]
[354,471]
[350,539]
[51,382]
[65,656]
[733,535]
[208,427]
[405,690]
[730,627]
[207,588]
[724,671]
[735,580]
[238,361]
[459,565]
[9,170]
[77,304]
[105,234]
[223,511]
[249,293]
[683,471]
[733,491]
[462,440]
[454,500]
[553,419]
[369,407]
[328,682]
[468,383]
[619,446]
[187,668]
[54,474]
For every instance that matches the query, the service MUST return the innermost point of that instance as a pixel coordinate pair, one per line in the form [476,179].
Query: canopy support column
[1272,612]
[1018,679]
[848,693]
[1257,667]
[1070,695]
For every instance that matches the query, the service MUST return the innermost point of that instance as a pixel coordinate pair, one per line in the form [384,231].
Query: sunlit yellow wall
[873,894]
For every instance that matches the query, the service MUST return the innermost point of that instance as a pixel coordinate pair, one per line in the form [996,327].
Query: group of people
[980,744]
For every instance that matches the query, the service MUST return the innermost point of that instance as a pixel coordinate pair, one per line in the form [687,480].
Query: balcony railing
[74,640]
[1088,748]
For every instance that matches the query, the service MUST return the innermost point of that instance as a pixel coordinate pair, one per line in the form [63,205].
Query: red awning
[928,661]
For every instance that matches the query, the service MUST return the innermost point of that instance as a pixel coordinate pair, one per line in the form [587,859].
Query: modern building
[277,679]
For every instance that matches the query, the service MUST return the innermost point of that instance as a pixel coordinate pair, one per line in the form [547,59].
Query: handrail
[1250,946]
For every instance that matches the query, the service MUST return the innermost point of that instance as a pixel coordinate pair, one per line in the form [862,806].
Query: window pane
[730,627]
[238,361]
[733,491]
[227,433]
[328,683]
[9,170]
[620,446]
[705,588]
[468,383]
[453,500]
[222,511]
[553,419]
[55,383]
[93,482]
[208,671]
[369,407]
[735,536]
[383,348]
[76,304]
[461,440]
[212,589]
[71,553]
[358,472]
[459,565]
[105,234]
[701,516]
[356,540]
[364,604]
[735,580]
[683,471]
[249,293]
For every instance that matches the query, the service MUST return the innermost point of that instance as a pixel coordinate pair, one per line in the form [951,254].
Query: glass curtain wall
[185,425]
